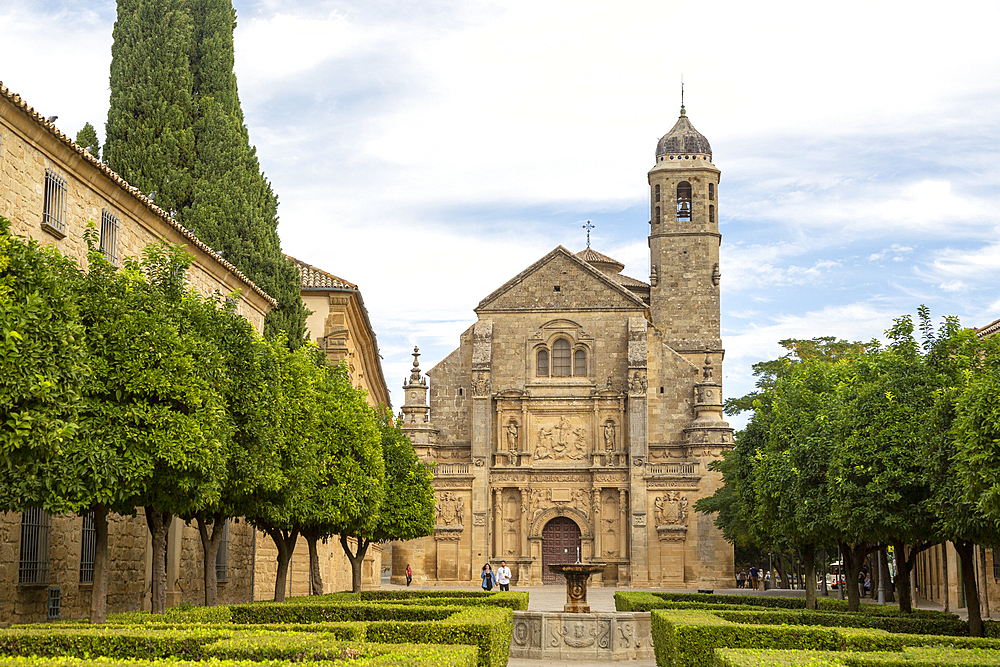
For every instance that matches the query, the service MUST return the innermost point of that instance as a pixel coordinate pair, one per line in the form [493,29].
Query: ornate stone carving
[450,509]
[481,385]
[482,345]
[609,436]
[575,634]
[671,509]
[716,275]
[512,435]
[561,441]
[637,350]
[479,518]
[639,519]
[637,385]
[479,462]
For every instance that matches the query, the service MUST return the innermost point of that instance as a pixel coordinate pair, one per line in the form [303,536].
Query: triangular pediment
[560,281]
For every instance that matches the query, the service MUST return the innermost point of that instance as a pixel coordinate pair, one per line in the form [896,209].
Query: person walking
[753,577]
[409,575]
[487,577]
[503,576]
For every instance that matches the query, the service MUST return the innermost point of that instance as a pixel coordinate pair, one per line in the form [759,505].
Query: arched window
[683,201]
[711,191]
[580,363]
[542,365]
[711,212]
[657,218]
[561,358]
[657,192]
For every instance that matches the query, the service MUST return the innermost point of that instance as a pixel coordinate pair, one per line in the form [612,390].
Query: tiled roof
[989,329]
[16,100]
[683,138]
[628,281]
[591,256]
[313,278]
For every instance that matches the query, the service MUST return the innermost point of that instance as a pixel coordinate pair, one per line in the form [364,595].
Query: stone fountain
[577,634]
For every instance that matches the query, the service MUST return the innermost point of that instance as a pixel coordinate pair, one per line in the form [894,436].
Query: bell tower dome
[684,240]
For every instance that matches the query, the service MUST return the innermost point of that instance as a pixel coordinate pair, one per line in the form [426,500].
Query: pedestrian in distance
[503,576]
[409,575]
[487,577]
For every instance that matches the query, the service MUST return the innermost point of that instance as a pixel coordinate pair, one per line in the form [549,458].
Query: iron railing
[88,549]
[33,566]
[54,213]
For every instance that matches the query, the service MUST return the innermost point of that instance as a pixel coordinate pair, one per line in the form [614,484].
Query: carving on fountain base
[600,637]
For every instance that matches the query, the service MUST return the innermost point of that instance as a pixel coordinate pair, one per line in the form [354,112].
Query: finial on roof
[683,113]
[588,227]
[415,371]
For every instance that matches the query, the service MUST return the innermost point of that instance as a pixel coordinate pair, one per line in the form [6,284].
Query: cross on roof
[588,227]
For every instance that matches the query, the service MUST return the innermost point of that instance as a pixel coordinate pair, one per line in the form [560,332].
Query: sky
[429,151]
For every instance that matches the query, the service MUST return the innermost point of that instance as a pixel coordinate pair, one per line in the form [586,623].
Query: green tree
[150,141]
[351,483]
[87,139]
[406,510]
[153,425]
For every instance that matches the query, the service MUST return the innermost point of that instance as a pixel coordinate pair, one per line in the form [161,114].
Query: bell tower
[684,241]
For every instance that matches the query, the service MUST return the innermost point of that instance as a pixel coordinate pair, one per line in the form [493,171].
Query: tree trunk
[944,573]
[967,552]
[809,565]
[983,584]
[826,590]
[159,525]
[854,559]
[904,571]
[315,576]
[356,560]
[782,572]
[285,542]
[210,547]
[99,591]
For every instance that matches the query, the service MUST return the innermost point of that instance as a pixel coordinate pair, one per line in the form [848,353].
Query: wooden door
[560,544]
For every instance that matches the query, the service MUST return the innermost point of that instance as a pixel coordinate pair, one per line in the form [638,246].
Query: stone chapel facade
[578,416]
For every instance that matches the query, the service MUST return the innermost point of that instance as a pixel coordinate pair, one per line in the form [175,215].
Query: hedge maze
[702,630]
[369,629]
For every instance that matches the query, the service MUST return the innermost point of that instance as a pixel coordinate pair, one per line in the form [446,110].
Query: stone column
[625,527]
[482,436]
[638,451]
[523,547]
[596,504]
[498,523]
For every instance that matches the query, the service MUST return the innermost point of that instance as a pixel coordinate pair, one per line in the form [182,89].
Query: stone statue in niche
[671,509]
[512,436]
[609,436]
[450,510]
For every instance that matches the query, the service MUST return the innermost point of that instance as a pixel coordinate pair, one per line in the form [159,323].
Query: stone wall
[335,568]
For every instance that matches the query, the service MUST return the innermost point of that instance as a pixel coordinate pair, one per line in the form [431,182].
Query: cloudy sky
[428,151]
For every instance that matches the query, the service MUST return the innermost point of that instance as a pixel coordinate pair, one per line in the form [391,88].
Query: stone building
[577,417]
[50,189]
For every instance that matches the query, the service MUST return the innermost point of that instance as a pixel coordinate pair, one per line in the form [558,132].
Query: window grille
[580,363]
[711,212]
[561,359]
[109,236]
[33,567]
[54,603]
[711,191]
[222,557]
[54,214]
[542,367]
[88,549]
[683,201]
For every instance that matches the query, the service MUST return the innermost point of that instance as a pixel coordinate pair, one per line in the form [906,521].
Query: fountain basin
[597,637]
[577,575]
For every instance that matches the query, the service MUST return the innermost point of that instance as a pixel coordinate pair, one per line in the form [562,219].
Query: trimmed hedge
[688,638]
[629,601]
[368,655]
[908,658]
[316,612]
[116,642]
[899,623]
[488,628]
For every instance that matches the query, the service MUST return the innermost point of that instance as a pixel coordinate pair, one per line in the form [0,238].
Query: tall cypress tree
[150,141]
[229,203]
[87,139]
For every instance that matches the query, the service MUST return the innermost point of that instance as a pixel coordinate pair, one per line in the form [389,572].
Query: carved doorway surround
[561,542]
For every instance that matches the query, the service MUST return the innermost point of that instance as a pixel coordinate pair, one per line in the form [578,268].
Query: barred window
[222,556]
[683,201]
[542,365]
[54,603]
[580,363]
[996,564]
[109,236]
[54,212]
[88,549]
[561,358]
[33,566]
